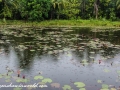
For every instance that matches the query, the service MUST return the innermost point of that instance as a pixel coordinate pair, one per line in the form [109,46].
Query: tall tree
[96,4]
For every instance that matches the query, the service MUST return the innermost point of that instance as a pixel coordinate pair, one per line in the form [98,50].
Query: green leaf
[118,71]
[82,89]
[32,50]
[1,76]
[38,77]
[22,80]
[105,86]
[66,87]
[99,81]
[47,80]
[17,88]
[79,84]
[106,70]
[7,80]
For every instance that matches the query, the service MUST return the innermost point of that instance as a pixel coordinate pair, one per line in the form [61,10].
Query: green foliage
[7,6]
[71,9]
[38,10]
[35,9]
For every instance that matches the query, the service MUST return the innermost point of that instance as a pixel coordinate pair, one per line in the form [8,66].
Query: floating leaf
[38,77]
[118,71]
[32,50]
[79,84]
[66,87]
[56,85]
[21,69]
[47,80]
[99,81]
[82,89]
[7,77]
[106,70]
[22,80]
[92,52]
[41,83]
[7,80]
[50,52]
[10,73]
[17,88]
[113,89]
[105,86]
[1,76]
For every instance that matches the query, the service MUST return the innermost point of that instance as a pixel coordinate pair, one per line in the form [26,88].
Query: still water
[64,55]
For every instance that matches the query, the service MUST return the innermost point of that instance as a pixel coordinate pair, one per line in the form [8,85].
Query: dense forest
[38,10]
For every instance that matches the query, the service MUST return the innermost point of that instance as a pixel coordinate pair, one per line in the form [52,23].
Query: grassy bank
[77,23]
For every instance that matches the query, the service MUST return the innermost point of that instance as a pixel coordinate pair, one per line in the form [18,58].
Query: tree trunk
[96,8]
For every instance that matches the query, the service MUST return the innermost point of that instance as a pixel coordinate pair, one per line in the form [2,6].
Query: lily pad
[104,89]
[1,76]
[106,70]
[82,89]
[99,81]
[50,52]
[113,89]
[66,87]
[7,77]
[38,77]
[105,86]
[79,84]
[41,83]
[17,88]
[118,71]
[47,80]
[32,50]
[22,80]
[56,85]
[7,80]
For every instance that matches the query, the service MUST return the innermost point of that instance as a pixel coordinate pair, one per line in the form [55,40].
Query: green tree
[71,9]
[35,9]
[118,4]
[58,6]
[7,8]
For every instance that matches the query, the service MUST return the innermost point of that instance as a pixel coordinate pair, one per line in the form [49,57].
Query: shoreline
[96,24]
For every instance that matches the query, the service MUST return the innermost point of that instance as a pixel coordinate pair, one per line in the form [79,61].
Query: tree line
[38,10]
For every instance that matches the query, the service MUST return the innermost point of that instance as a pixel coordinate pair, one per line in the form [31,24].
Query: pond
[60,58]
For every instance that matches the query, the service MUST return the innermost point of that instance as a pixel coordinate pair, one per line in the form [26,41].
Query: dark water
[64,55]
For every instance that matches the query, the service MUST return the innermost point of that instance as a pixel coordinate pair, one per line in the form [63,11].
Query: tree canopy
[38,10]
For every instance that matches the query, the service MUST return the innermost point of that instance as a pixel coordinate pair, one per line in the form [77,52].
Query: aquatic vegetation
[79,84]
[67,87]
[73,53]
[17,88]
[99,81]
[22,80]
[38,77]
[106,70]
[82,89]
[47,80]
[105,86]
[56,85]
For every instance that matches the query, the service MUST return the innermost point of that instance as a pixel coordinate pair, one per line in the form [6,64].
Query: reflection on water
[64,55]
